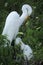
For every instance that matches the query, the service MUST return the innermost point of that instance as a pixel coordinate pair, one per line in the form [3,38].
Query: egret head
[27,9]
[18,41]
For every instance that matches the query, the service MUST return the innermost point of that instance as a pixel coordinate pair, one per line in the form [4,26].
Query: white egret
[11,26]
[27,51]
[14,21]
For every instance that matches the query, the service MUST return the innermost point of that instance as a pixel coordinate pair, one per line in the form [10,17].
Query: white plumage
[14,21]
[11,26]
[27,51]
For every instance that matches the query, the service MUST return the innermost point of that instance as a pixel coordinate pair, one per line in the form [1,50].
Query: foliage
[10,55]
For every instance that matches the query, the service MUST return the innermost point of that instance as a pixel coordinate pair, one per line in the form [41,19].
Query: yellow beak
[27,17]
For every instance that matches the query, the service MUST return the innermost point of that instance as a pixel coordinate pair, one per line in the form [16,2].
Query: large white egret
[14,21]
[27,51]
[11,26]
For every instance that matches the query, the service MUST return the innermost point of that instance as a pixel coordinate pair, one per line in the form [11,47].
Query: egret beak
[27,17]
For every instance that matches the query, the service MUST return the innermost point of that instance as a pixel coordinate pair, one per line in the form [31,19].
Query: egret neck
[23,18]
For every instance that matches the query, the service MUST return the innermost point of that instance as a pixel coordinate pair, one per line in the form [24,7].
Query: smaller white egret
[27,51]
[14,21]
